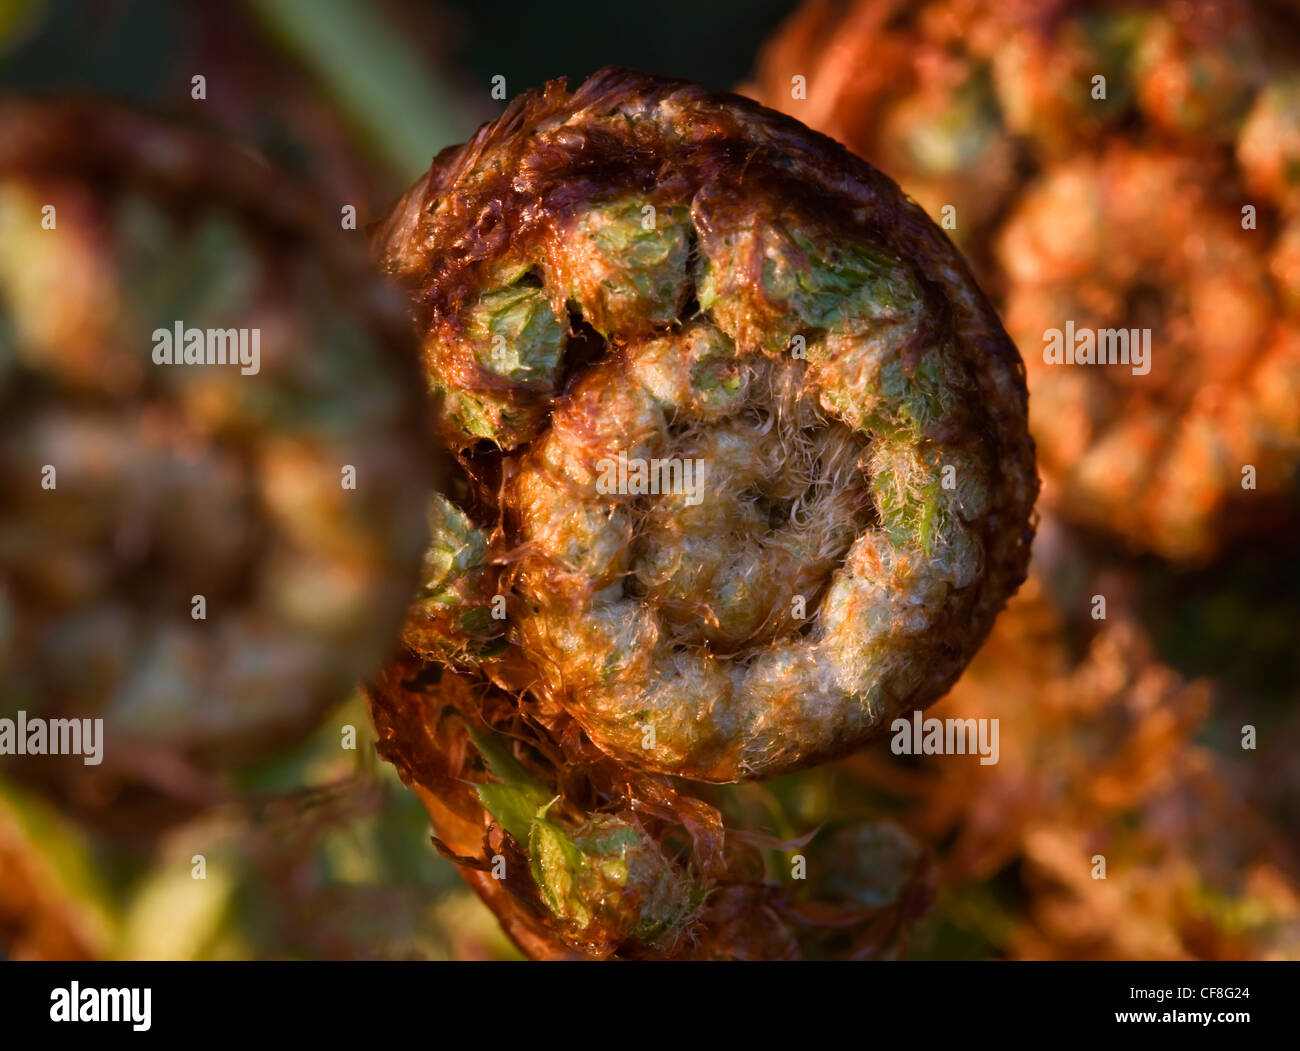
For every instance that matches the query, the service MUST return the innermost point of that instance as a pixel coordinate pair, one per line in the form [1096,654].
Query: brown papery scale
[744,462]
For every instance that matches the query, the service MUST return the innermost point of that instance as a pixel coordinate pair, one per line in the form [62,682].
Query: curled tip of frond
[752,442]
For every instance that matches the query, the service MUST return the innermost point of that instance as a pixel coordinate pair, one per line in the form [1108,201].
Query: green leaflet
[513,808]
[815,287]
[456,550]
[610,875]
[478,417]
[630,270]
[517,802]
[608,878]
[502,762]
[451,617]
[513,334]
[908,495]
[846,287]
[516,335]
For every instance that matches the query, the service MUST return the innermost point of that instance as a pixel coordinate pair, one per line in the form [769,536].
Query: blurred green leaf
[383,83]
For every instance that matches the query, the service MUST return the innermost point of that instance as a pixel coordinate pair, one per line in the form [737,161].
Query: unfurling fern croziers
[745,469]
[211,453]
[743,474]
